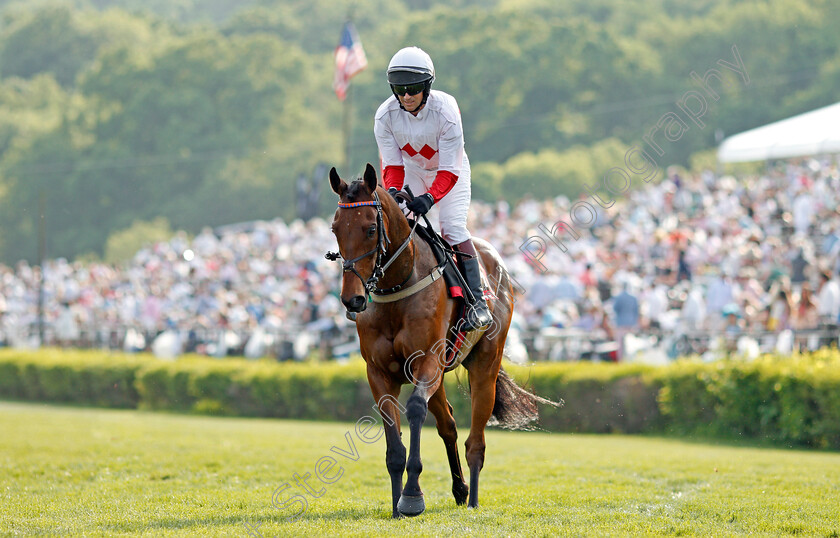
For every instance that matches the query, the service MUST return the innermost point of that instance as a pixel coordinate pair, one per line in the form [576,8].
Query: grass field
[71,471]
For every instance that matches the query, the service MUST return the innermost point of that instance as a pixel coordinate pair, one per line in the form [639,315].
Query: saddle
[445,255]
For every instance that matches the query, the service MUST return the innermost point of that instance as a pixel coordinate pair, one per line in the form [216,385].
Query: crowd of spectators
[256,288]
[687,260]
[671,267]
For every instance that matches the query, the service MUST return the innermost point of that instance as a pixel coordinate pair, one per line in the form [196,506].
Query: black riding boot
[478,315]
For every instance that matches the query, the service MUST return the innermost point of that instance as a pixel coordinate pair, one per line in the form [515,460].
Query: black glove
[393,192]
[421,204]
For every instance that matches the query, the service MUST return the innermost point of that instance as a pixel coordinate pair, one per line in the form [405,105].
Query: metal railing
[571,344]
[338,341]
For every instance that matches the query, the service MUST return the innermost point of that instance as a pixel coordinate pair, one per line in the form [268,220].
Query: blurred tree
[52,39]
[62,41]
[122,245]
[550,173]
[205,111]
[516,93]
[314,25]
[153,137]
[28,108]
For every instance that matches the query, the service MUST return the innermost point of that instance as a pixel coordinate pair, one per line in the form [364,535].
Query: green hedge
[598,398]
[789,400]
[73,376]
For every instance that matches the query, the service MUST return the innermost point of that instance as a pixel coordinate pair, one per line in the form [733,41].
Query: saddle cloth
[459,343]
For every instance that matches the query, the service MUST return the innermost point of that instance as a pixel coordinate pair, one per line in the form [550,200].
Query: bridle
[382,242]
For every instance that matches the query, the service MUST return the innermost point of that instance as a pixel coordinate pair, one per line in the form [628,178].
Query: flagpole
[345,128]
[350,59]
[348,100]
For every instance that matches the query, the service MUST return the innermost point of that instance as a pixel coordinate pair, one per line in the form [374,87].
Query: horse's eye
[371,230]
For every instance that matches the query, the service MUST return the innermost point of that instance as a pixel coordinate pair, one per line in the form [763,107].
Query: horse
[403,336]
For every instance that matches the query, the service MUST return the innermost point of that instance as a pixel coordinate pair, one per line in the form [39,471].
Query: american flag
[349,60]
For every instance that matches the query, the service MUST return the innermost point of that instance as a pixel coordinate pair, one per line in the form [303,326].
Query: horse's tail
[516,408]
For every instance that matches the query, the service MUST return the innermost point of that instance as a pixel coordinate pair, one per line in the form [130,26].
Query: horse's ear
[370,178]
[338,185]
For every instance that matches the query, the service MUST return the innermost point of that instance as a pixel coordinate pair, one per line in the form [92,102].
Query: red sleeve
[443,183]
[394,176]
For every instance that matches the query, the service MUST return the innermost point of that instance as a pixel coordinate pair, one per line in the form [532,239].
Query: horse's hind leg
[482,397]
[442,411]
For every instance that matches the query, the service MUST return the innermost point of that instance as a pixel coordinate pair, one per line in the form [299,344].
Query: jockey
[421,144]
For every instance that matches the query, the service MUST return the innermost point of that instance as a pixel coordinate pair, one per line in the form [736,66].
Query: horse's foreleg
[482,398]
[442,411]
[395,462]
[411,501]
[427,378]
[385,393]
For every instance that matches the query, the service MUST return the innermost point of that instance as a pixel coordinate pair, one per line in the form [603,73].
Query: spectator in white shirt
[828,298]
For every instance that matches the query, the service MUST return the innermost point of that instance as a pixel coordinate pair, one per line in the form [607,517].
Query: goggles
[410,89]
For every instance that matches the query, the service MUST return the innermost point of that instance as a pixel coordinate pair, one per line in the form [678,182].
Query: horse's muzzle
[355,304]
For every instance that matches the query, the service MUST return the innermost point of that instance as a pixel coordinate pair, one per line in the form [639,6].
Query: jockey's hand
[393,192]
[421,204]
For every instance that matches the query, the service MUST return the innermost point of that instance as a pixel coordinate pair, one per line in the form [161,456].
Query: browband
[350,205]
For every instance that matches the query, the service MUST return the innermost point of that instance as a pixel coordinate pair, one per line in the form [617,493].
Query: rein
[373,293]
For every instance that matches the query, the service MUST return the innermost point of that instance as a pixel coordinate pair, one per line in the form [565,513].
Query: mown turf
[70,471]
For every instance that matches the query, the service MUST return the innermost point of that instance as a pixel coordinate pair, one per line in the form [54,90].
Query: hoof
[460,491]
[411,505]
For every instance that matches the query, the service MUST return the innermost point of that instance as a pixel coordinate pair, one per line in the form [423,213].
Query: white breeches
[449,216]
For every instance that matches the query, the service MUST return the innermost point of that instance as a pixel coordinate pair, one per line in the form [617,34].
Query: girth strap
[411,290]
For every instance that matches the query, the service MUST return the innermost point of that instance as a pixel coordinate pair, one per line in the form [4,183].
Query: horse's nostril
[356,304]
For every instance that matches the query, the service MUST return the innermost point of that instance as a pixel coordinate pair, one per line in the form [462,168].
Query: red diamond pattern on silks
[408,149]
[427,152]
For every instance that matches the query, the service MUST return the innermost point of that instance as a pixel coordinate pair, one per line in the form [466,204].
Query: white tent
[812,133]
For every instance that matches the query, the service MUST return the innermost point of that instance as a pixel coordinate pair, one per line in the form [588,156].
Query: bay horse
[403,335]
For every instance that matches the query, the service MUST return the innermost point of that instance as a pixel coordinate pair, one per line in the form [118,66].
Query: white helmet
[411,65]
